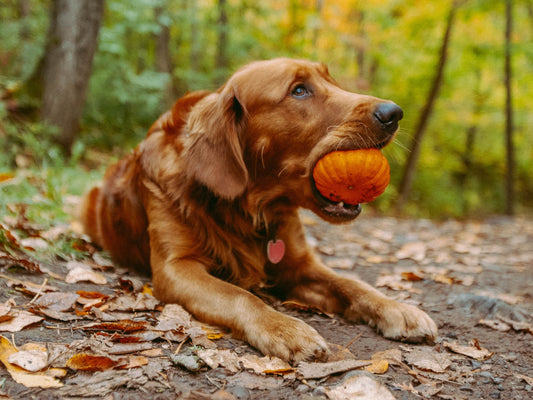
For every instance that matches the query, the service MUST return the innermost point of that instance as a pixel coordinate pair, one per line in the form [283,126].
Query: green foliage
[385,48]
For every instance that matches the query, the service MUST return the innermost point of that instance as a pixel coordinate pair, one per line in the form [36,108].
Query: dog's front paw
[288,338]
[405,322]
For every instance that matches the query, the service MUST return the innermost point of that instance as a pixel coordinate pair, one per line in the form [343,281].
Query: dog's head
[265,129]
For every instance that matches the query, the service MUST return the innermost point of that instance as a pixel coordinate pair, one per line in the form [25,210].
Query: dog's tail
[89,217]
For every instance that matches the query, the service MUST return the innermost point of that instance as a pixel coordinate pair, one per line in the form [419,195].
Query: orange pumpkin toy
[352,176]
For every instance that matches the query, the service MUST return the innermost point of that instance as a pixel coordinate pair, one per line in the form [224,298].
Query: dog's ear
[213,147]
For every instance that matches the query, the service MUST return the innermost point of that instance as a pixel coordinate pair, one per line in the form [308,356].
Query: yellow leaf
[378,367]
[41,379]
[147,289]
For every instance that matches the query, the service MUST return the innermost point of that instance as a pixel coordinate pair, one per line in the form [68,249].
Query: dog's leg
[214,301]
[181,276]
[302,277]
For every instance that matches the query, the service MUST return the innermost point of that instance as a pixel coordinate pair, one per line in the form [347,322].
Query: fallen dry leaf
[527,379]
[22,261]
[412,276]
[31,360]
[519,326]
[394,282]
[360,388]
[6,176]
[321,370]
[133,362]
[393,356]
[228,359]
[126,325]
[27,287]
[495,324]
[80,272]
[134,302]
[253,381]
[414,250]
[378,367]
[128,348]
[474,351]
[89,362]
[57,301]
[427,359]
[21,319]
[215,358]
[265,365]
[46,379]
[133,337]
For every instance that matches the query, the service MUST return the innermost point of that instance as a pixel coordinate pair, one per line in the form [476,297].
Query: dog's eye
[300,92]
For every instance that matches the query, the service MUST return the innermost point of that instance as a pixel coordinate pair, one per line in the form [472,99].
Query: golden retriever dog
[209,203]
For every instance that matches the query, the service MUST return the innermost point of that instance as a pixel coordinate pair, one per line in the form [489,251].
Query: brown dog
[209,200]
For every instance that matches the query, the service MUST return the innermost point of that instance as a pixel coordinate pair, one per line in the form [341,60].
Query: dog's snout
[388,115]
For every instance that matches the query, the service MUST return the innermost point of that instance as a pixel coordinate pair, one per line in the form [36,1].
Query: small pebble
[319,391]
[485,374]
[302,388]
[241,393]
[495,395]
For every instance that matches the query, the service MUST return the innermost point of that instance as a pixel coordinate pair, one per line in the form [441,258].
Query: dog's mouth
[339,211]
[335,211]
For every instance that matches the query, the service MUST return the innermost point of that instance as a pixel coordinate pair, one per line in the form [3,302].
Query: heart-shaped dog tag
[275,250]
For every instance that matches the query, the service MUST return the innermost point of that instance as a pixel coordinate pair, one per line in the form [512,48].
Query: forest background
[461,70]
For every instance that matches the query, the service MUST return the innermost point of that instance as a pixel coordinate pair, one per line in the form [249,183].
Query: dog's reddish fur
[221,174]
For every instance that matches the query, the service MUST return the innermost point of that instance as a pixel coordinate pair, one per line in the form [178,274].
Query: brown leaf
[21,320]
[57,301]
[412,276]
[130,285]
[414,250]
[360,387]
[321,370]
[393,356]
[474,351]
[135,337]
[495,324]
[133,362]
[58,315]
[91,295]
[427,359]
[21,261]
[394,282]
[88,362]
[134,302]
[527,379]
[126,325]
[80,272]
[5,176]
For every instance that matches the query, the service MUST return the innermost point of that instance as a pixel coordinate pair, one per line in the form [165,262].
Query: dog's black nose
[388,115]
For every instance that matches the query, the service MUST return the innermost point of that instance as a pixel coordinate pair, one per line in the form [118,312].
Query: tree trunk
[163,58]
[467,158]
[409,170]
[221,57]
[71,44]
[509,176]
[195,52]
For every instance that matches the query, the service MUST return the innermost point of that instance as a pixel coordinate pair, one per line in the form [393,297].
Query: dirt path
[474,278]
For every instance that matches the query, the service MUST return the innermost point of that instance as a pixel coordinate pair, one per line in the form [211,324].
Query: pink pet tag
[275,250]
